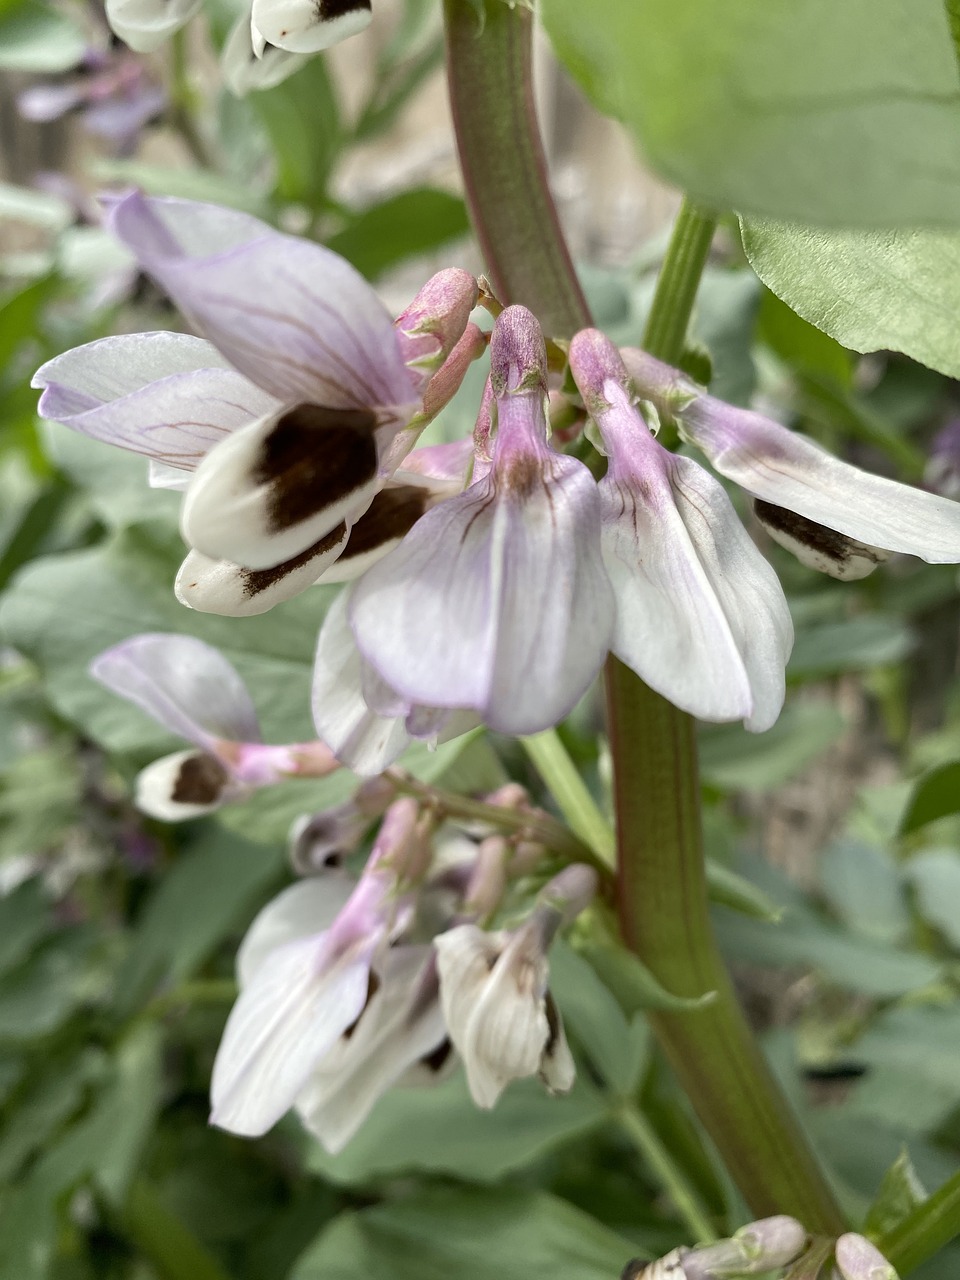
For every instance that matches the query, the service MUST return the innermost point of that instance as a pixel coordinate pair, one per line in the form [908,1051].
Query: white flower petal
[187,784]
[218,586]
[790,471]
[267,493]
[365,742]
[185,684]
[145,24]
[307,26]
[293,1011]
[302,910]
[247,67]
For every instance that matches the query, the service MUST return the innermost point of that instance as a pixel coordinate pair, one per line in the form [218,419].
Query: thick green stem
[925,1231]
[662,884]
[504,169]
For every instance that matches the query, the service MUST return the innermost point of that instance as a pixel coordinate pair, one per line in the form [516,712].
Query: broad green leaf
[51,1100]
[836,113]
[39,995]
[901,1191]
[36,38]
[733,758]
[25,919]
[210,891]
[935,876]
[803,346]
[470,1234]
[853,645]
[411,223]
[870,290]
[302,118]
[593,1019]
[442,1130]
[912,1054]
[632,983]
[936,795]
[187,184]
[862,884]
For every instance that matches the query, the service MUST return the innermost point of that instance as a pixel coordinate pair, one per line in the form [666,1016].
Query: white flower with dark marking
[191,689]
[288,420]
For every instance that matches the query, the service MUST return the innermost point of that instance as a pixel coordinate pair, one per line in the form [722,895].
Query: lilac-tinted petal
[219,586]
[176,420]
[434,323]
[246,69]
[302,910]
[269,492]
[145,24]
[447,463]
[110,368]
[495,601]
[186,685]
[307,26]
[401,1025]
[295,317]
[184,785]
[790,471]
[364,741]
[119,119]
[292,1012]
[701,616]
[44,102]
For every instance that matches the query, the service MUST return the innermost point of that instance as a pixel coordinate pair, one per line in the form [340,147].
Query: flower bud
[756,1248]
[858,1259]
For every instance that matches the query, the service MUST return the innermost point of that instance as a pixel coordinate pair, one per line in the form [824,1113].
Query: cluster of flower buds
[772,1247]
[492,577]
[352,984]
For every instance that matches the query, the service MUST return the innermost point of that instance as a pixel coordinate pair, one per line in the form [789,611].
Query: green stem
[572,796]
[926,1230]
[182,102]
[504,169]
[662,885]
[677,284]
[671,1177]
[174,1252]
[532,824]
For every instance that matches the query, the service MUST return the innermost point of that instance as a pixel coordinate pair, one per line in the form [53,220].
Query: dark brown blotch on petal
[392,514]
[313,458]
[253,581]
[328,10]
[438,1058]
[201,780]
[373,986]
[837,547]
[553,1024]
[521,475]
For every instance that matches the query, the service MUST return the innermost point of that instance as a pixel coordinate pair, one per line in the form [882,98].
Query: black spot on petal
[392,513]
[328,10]
[253,581]
[836,547]
[313,458]
[200,781]
[437,1059]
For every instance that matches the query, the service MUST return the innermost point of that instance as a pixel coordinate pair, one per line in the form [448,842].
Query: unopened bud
[858,1259]
[760,1246]
[518,355]
[435,320]
[570,892]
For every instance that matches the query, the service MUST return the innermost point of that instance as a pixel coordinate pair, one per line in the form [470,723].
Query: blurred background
[117,934]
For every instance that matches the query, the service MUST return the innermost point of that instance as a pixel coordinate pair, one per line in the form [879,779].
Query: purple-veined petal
[302,910]
[293,316]
[246,68]
[145,24]
[219,586]
[291,1013]
[401,1026]
[701,616]
[187,784]
[269,492]
[176,420]
[307,26]
[187,686]
[365,742]
[496,600]
[98,372]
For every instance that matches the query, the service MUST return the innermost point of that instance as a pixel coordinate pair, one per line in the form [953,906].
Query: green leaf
[302,119]
[853,645]
[410,223]
[732,758]
[210,892]
[862,884]
[870,290]
[911,1053]
[936,795]
[632,983]
[50,1101]
[470,1234]
[727,889]
[40,995]
[839,114]
[935,876]
[25,919]
[187,184]
[442,1130]
[901,1191]
[801,344]
[35,38]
